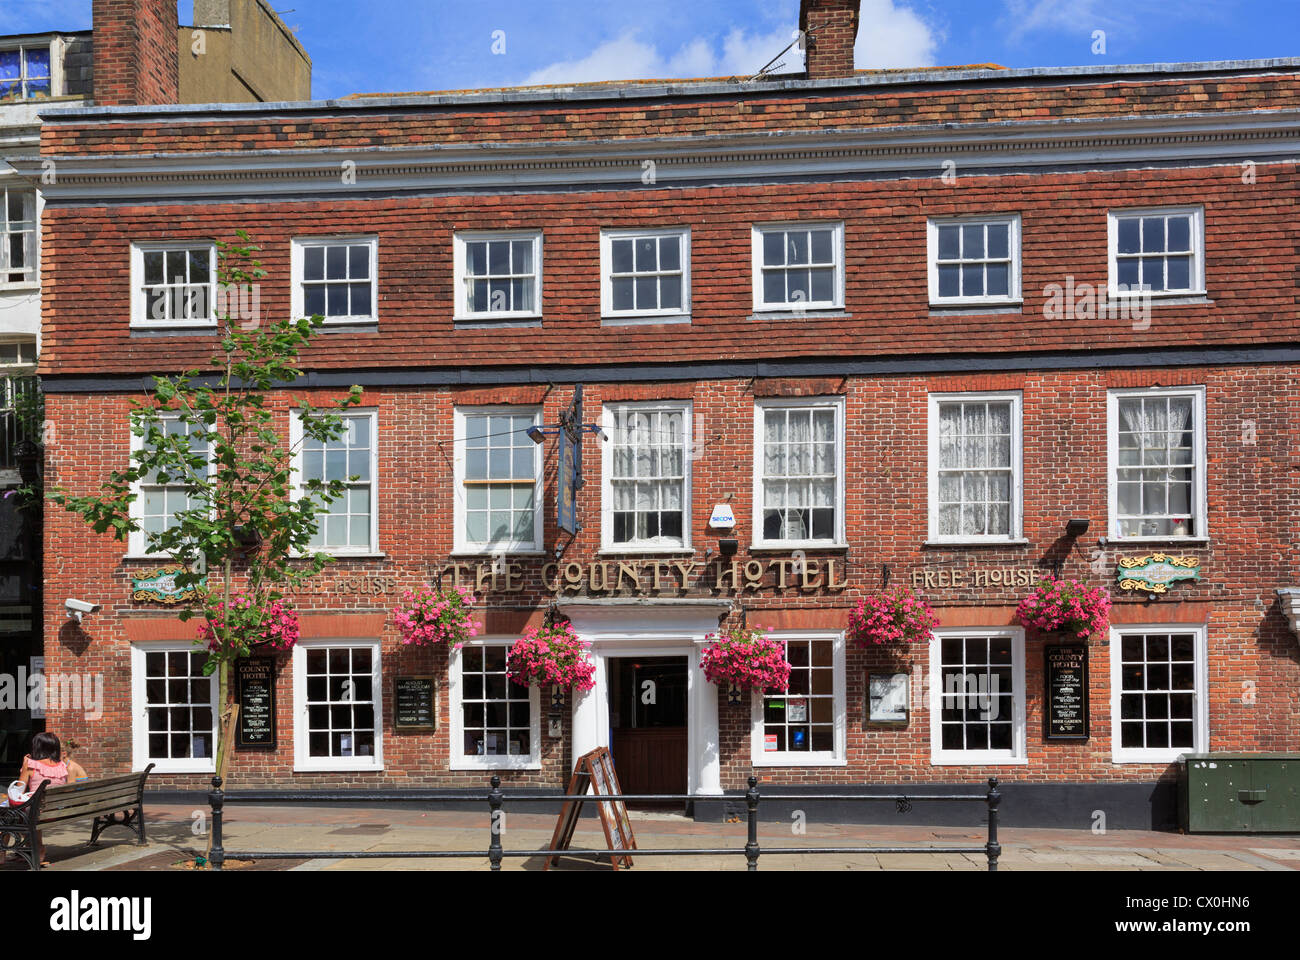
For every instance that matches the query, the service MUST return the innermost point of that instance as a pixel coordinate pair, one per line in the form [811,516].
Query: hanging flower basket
[891,617]
[1065,606]
[271,626]
[551,656]
[429,617]
[747,659]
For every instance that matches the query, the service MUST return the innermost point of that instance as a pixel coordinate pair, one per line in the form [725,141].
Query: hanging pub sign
[255,689]
[569,481]
[159,586]
[413,703]
[1154,572]
[1065,669]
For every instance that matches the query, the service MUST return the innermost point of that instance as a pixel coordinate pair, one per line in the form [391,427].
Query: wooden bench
[113,802]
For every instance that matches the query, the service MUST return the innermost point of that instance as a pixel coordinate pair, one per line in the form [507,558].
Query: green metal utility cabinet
[1240,793]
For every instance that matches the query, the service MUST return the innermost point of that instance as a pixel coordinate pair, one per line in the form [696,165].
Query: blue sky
[397,45]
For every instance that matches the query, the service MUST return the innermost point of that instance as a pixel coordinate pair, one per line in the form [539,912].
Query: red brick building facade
[883,318]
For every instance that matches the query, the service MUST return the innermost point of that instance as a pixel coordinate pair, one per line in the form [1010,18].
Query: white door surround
[651,628]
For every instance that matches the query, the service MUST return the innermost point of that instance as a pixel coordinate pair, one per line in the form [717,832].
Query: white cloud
[890,36]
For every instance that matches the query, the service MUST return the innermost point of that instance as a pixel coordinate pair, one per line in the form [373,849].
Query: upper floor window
[348,524]
[647,476]
[498,275]
[645,273]
[498,471]
[1157,463]
[25,73]
[975,467]
[173,284]
[798,265]
[336,279]
[1159,251]
[162,495]
[975,261]
[17,236]
[799,472]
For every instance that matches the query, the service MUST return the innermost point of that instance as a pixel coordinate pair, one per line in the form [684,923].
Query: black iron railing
[496,800]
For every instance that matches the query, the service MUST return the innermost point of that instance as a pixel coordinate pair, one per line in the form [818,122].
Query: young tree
[217,435]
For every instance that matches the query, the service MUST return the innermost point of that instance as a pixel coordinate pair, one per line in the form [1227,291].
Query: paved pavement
[175,833]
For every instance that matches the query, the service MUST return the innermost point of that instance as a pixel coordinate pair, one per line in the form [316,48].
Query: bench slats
[121,797]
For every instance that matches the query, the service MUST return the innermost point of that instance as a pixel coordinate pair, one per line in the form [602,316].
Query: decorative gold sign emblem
[1154,572]
[159,586]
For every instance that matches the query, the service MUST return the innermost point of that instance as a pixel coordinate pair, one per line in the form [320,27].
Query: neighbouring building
[135,53]
[893,322]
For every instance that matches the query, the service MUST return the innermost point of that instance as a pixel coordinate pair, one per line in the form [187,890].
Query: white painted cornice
[985,148]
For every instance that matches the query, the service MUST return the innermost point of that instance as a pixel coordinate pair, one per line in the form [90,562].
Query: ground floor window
[806,724]
[338,711]
[495,724]
[1158,693]
[174,708]
[977,697]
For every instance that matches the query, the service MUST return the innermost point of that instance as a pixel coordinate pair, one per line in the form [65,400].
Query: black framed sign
[887,698]
[255,688]
[413,703]
[1065,669]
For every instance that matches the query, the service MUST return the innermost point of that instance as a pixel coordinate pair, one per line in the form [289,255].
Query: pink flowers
[746,658]
[244,625]
[430,617]
[1065,606]
[551,656]
[893,616]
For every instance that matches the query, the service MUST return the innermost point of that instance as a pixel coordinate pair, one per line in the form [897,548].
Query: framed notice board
[414,703]
[1065,671]
[255,692]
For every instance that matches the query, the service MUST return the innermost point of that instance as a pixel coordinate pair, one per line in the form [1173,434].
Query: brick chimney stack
[135,51]
[831,28]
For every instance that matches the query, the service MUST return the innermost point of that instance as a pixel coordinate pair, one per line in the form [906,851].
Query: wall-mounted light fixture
[1076,527]
[728,548]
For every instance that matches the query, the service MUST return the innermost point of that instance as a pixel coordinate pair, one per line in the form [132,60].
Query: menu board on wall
[413,707]
[1065,669]
[255,687]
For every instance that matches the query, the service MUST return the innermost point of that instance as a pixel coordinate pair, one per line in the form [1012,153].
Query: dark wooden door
[647,715]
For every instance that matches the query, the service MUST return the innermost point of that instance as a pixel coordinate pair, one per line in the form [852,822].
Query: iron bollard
[495,799]
[993,849]
[217,800]
[751,845]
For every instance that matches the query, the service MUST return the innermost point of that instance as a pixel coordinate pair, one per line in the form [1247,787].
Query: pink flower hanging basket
[747,658]
[1066,607]
[430,617]
[551,656]
[892,617]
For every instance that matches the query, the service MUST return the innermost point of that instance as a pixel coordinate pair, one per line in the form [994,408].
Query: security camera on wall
[79,608]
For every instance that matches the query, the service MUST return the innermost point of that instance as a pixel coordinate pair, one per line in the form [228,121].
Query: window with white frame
[173,706]
[1158,251]
[338,705]
[498,480]
[1158,693]
[336,279]
[647,475]
[975,467]
[495,723]
[798,266]
[977,696]
[350,523]
[26,73]
[162,495]
[1157,463]
[975,261]
[17,236]
[173,284]
[806,723]
[645,273]
[498,275]
[799,472]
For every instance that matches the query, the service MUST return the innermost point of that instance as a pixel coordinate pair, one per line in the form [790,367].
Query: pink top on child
[55,773]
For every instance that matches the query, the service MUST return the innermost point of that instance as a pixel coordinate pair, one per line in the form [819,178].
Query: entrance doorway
[647,720]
